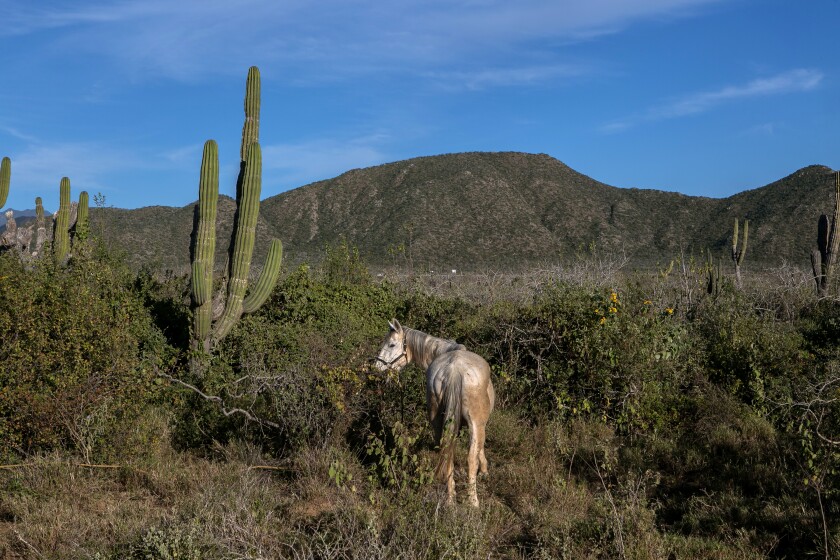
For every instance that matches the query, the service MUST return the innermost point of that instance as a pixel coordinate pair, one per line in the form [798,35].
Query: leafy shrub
[301,362]
[79,351]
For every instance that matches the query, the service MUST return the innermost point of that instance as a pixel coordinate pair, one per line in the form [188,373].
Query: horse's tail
[451,405]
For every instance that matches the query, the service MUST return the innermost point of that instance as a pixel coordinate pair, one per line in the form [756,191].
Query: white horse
[458,390]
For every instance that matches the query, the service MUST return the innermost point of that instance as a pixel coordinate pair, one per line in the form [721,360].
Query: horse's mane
[426,347]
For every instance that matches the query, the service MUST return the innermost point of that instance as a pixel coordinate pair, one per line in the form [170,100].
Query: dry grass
[551,494]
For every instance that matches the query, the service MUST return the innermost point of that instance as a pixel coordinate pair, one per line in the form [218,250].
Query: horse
[458,391]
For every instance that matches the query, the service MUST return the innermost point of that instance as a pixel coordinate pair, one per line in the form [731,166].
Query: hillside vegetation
[502,211]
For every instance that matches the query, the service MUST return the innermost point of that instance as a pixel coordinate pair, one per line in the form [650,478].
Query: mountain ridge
[501,210]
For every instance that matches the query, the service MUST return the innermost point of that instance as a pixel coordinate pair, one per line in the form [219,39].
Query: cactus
[82,227]
[738,254]
[248,187]
[40,226]
[713,284]
[824,257]
[5,179]
[61,228]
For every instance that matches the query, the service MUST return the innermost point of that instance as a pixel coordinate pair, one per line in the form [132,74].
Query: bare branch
[227,411]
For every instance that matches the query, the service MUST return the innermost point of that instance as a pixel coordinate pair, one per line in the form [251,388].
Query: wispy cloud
[191,38]
[15,133]
[506,77]
[799,80]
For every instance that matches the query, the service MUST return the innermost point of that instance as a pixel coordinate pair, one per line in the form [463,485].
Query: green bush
[79,352]
[300,362]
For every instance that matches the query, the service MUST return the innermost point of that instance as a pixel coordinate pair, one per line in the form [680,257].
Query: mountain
[493,210]
[18,215]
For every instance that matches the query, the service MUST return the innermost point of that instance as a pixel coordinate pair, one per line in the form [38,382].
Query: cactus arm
[205,244]
[61,233]
[251,127]
[5,179]
[267,280]
[248,208]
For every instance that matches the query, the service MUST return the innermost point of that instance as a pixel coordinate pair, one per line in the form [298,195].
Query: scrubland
[638,416]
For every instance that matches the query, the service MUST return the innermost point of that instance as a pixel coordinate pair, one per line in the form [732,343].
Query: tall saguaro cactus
[824,257]
[5,179]
[82,226]
[61,229]
[40,227]
[738,253]
[249,184]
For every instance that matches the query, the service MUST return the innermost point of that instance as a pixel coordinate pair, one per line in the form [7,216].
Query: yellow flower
[647,302]
[669,310]
[597,312]
[602,321]
[613,309]
[614,297]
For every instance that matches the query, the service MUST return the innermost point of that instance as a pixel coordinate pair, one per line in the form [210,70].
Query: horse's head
[392,354]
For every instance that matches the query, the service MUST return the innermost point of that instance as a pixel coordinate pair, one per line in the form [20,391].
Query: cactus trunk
[82,227]
[243,242]
[61,233]
[40,226]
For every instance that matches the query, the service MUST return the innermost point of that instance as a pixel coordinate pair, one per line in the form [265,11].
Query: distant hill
[19,215]
[493,210]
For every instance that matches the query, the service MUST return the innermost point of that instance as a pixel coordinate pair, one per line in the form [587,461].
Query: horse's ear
[395,325]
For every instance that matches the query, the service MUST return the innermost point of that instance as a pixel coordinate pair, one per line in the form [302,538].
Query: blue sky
[704,97]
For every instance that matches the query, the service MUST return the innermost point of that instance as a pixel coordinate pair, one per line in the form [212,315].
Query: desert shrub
[170,542]
[300,362]
[79,352]
[749,353]
[574,351]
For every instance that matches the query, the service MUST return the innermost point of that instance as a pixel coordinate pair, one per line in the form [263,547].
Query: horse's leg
[482,460]
[491,401]
[450,480]
[476,436]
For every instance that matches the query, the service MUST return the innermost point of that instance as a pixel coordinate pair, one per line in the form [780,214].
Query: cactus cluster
[824,257]
[69,220]
[738,253]
[214,317]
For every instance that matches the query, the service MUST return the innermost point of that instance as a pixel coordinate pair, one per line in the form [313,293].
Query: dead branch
[227,411]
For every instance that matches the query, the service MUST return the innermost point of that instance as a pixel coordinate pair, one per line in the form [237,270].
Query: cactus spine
[249,184]
[61,231]
[5,179]
[739,253]
[824,257]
